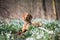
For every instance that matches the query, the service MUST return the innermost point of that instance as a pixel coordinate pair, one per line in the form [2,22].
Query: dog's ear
[23,16]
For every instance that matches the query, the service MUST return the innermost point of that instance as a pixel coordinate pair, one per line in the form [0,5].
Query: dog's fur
[27,22]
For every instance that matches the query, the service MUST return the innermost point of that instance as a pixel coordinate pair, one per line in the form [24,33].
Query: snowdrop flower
[40,35]
[50,32]
[2,33]
[37,33]
[8,35]
[12,38]
[44,36]
[59,25]
[30,39]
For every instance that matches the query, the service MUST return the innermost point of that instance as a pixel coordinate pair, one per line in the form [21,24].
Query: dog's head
[27,17]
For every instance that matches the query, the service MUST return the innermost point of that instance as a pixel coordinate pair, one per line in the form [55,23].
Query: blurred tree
[54,9]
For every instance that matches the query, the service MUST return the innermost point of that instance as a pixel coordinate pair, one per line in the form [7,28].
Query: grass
[7,31]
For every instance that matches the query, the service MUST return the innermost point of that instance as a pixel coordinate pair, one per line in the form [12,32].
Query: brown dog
[27,22]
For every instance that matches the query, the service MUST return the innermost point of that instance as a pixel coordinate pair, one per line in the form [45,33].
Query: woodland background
[44,9]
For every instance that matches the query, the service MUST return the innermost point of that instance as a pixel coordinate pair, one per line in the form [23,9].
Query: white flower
[40,35]
[8,35]
[12,38]
[30,39]
[50,32]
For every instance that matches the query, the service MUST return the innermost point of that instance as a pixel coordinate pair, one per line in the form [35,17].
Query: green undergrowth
[8,30]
